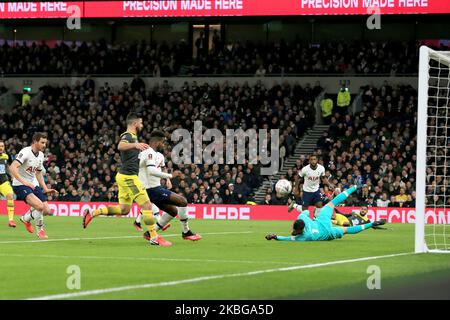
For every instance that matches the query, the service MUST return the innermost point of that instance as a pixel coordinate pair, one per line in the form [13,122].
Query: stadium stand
[84,124]
[377,143]
[225,58]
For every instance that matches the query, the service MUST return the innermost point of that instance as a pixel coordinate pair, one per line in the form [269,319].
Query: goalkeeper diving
[321,228]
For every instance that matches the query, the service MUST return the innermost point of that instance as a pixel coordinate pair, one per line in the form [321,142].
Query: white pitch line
[143,259]
[206,278]
[112,238]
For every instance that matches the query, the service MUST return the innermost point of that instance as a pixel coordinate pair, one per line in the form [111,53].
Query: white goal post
[433,152]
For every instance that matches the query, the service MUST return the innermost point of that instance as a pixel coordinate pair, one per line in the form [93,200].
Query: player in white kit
[151,162]
[313,174]
[28,183]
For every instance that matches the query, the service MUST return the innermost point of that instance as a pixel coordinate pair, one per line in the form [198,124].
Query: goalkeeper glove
[271,236]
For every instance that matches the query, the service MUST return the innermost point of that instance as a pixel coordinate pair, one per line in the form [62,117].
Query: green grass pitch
[110,253]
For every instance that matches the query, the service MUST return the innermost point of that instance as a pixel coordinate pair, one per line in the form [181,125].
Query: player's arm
[169,184]
[168,181]
[40,179]
[126,143]
[151,168]
[284,238]
[14,170]
[327,182]
[297,183]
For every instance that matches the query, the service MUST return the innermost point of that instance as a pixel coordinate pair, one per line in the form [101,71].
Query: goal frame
[422,123]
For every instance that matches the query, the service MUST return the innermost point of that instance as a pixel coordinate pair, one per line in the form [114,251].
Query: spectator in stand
[383,202]
[82,155]
[241,189]
[343,100]
[327,109]
[3,89]
[229,196]
[201,45]
[81,150]
[260,72]
[26,98]
[382,154]
[267,199]
[401,198]
[137,84]
[411,203]
[327,192]
[164,59]
[86,197]
[89,84]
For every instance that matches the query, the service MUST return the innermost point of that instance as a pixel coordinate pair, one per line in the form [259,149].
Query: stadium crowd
[378,144]
[84,124]
[224,57]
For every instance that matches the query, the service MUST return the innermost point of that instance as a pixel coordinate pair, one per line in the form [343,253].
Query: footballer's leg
[150,223]
[137,223]
[170,212]
[154,194]
[341,220]
[317,200]
[124,207]
[295,196]
[341,197]
[177,200]
[7,191]
[187,234]
[362,227]
[121,209]
[326,213]
[161,197]
[308,198]
[36,214]
[10,208]
[22,192]
[180,209]
[142,198]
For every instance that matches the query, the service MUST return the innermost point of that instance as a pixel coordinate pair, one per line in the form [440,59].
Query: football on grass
[283,187]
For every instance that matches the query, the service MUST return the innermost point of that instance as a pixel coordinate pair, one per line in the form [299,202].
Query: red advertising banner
[216,8]
[43,10]
[245,212]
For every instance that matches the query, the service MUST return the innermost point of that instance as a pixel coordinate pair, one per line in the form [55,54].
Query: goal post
[433,149]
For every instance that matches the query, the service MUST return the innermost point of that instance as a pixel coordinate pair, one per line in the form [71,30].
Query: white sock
[163,220]
[28,215]
[139,217]
[182,214]
[39,218]
[316,211]
[155,210]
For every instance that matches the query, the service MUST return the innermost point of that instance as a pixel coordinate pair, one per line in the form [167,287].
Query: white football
[283,187]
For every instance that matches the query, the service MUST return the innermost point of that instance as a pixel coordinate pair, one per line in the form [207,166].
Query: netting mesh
[437,193]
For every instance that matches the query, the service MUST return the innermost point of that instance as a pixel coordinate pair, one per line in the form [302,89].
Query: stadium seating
[249,58]
[378,143]
[84,125]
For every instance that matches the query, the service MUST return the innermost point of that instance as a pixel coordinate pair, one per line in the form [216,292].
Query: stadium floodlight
[433,153]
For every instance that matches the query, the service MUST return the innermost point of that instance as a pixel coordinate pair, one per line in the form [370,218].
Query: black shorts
[159,195]
[23,191]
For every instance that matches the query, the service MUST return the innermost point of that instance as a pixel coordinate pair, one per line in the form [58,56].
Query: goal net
[433,153]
